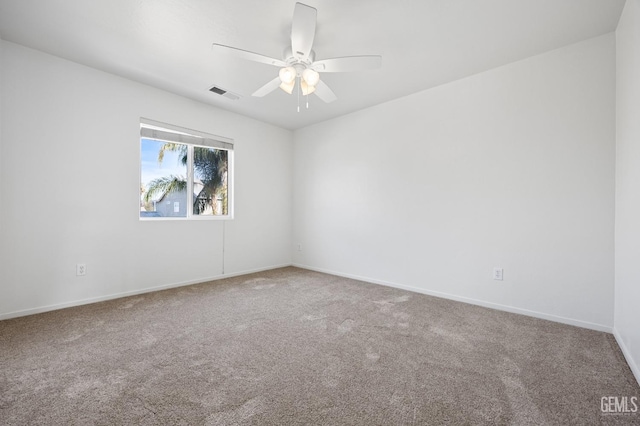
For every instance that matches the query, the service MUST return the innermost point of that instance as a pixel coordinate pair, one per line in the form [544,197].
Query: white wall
[3,246]
[70,189]
[511,168]
[627,249]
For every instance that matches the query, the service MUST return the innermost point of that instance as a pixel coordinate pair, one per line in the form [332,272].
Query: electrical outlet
[81,269]
[498,274]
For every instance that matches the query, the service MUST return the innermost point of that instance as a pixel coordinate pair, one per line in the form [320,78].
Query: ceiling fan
[299,63]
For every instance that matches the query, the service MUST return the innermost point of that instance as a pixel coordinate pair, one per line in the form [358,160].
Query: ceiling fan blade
[348,64]
[249,56]
[303,30]
[324,92]
[267,88]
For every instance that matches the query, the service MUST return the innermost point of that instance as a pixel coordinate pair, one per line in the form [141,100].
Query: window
[184,173]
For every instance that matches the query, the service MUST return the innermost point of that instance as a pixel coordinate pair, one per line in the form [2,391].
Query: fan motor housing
[293,60]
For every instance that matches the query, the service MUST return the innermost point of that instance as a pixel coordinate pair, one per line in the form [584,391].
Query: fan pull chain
[299,89]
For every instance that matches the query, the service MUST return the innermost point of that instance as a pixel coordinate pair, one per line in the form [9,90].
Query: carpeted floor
[291,346]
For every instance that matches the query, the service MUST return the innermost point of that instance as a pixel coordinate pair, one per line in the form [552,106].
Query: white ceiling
[424,43]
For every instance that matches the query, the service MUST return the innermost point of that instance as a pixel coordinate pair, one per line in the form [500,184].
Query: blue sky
[150,168]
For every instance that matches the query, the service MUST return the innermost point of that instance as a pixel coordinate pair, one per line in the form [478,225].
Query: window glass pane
[163,179]
[210,188]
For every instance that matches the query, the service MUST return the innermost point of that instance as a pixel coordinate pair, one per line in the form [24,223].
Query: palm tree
[164,185]
[210,167]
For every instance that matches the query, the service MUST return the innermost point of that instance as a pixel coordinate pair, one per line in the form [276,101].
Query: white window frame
[156,130]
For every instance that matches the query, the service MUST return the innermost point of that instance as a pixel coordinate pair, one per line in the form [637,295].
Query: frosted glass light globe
[310,77]
[287,74]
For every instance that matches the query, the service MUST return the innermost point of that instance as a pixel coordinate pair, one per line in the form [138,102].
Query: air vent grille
[217,90]
[222,92]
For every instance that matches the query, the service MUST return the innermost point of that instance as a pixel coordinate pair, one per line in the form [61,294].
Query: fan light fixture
[287,74]
[311,77]
[306,88]
[288,87]
[308,80]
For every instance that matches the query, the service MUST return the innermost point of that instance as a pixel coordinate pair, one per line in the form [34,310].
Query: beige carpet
[291,346]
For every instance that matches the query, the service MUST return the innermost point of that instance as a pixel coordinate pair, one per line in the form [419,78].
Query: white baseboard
[485,304]
[535,314]
[627,355]
[55,307]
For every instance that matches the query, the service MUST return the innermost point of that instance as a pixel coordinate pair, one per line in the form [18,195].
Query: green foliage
[164,185]
[173,147]
[211,166]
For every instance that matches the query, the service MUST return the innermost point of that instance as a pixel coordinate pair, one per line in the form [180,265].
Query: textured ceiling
[424,43]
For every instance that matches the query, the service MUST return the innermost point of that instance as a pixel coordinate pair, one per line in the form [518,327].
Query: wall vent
[222,92]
